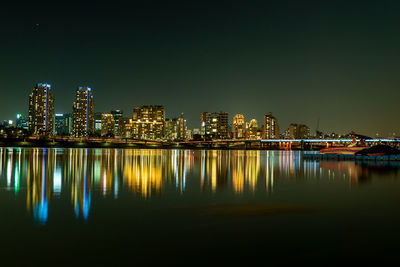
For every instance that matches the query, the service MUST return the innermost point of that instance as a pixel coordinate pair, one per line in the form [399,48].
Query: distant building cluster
[148,122]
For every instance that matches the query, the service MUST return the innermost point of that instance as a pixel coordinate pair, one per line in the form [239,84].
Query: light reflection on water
[43,174]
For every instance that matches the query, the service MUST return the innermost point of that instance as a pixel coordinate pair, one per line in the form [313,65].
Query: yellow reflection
[215,165]
[143,171]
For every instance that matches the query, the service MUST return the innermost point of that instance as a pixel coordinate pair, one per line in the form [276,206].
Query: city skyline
[90,125]
[304,62]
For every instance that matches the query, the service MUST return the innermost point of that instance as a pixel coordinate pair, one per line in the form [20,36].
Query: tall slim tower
[271,127]
[82,112]
[41,110]
[238,126]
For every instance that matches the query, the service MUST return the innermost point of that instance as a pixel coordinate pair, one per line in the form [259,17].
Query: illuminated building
[97,122]
[8,123]
[214,125]
[41,110]
[271,127]
[63,124]
[189,135]
[107,125]
[170,129]
[196,131]
[298,131]
[181,128]
[117,114]
[82,113]
[125,127]
[238,126]
[22,122]
[148,122]
[251,129]
[175,129]
[204,128]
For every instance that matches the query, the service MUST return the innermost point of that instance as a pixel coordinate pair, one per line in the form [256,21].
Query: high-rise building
[181,128]
[214,125]
[205,126]
[189,134]
[196,131]
[63,124]
[251,129]
[148,122]
[271,127]
[82,113]
[22,122]
[97,122]
[298,131]
[107,125]
[238,126]
[175,129]
[125,127]
[41,110]
[117,113]
[170,129]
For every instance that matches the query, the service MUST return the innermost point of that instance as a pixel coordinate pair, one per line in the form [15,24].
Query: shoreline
[40,143]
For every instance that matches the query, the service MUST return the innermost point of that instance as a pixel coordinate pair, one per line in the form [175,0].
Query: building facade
[97,123]
[148,122]
[107,125]
[251,129]
[125,127]
[117,113]
[41,110]
[82,113]
[271,127]
[214,125]
[175,129]
[239,130]
[298,131]
[63,124]
[22,122]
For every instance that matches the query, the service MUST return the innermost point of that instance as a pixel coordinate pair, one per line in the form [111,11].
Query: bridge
[282,144]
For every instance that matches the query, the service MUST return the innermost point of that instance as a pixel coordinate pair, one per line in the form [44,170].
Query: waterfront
[112,206]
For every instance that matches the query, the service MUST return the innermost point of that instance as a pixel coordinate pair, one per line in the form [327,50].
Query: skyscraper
[125,126]
[148,122]
[41,110]
[238,126]
[251,129]
[22,122]
[298,131]
[271,127]
[214,125]
[181,128]
[107,125]
[117,113]
[97,123]
[63,124]
[175,129]
[82,112]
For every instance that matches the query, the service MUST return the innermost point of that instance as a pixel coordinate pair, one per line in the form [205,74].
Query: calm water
[184,207]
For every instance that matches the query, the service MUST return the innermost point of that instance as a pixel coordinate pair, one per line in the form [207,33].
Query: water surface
[183,207]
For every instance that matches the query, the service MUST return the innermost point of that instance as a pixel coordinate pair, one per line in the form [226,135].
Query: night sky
[302,60]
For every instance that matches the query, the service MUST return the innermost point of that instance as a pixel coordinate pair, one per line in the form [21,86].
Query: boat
[351,149]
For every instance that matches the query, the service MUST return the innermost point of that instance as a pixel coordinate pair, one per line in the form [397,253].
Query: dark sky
[336,60]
